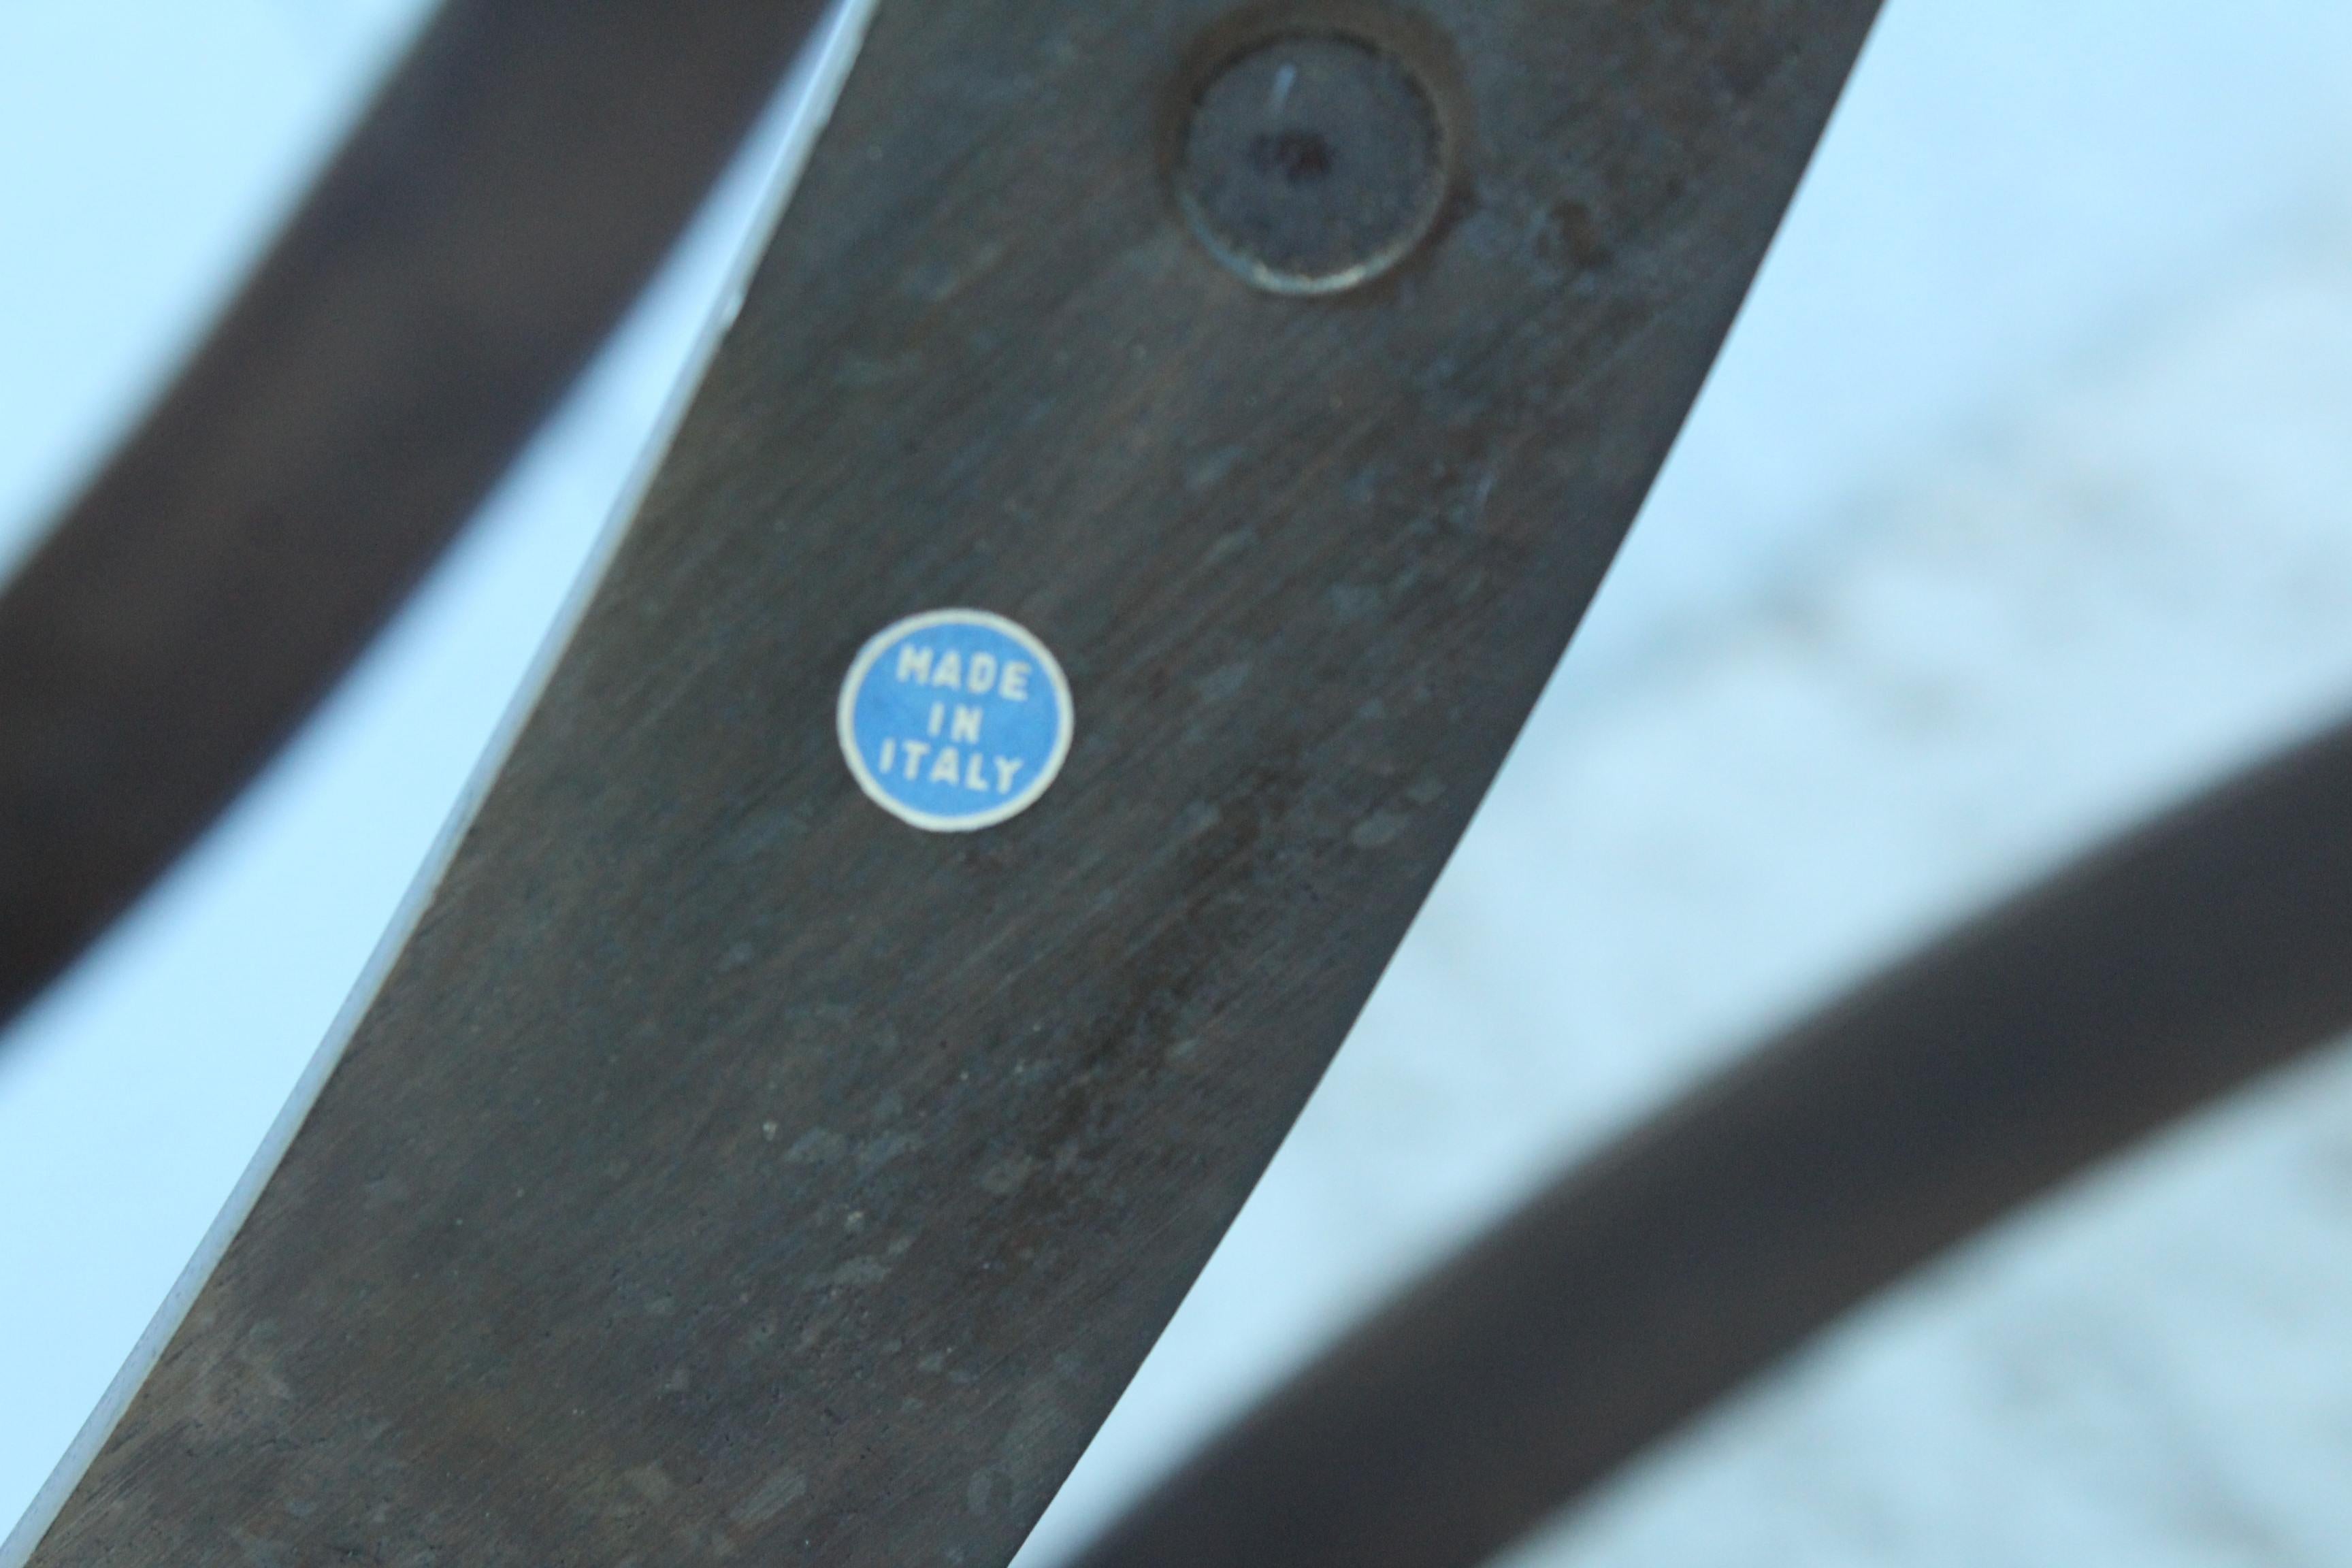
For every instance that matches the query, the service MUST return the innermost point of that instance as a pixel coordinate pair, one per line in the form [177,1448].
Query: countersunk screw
[1312,162]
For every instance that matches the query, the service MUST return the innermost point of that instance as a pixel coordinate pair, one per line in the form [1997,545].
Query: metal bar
[728,1166]
[1646,1285]
[504,200]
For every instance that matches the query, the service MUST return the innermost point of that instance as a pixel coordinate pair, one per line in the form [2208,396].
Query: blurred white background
[2016,506]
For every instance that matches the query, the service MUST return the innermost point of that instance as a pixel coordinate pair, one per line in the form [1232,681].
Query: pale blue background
[2017,503]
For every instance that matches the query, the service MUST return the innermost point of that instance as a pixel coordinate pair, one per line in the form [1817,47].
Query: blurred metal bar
[1650,1282]
[726,1167]
[506,196]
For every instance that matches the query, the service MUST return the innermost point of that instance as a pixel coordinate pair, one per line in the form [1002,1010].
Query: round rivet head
[1311,163]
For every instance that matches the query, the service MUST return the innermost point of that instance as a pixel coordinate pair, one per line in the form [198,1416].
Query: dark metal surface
[506,196]
[727,1168]
[1645,1286]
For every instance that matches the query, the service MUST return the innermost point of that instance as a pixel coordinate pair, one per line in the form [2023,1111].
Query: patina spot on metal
[1312,162]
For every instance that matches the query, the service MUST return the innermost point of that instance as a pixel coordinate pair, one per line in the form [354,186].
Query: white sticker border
[845,719]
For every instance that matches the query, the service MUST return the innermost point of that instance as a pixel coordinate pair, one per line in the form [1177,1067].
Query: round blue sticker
[954,719]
